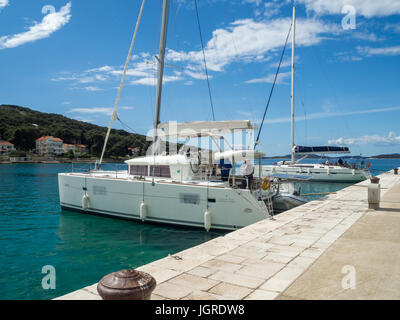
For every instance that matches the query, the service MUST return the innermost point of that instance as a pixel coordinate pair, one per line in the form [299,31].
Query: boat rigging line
[272,89]
[204,59]
[114,115]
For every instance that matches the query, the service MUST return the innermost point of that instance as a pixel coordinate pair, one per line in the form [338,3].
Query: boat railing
[91,168]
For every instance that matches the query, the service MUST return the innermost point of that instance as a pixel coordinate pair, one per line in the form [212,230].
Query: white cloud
[152,80]
[101,69]
[105,111]
[74,78]
[91,88]
[84,119]
[248,41]
[3,3]
[270,78]
[50,24]
[366,8]
[393,27]
[387,51]
[376,139]
[197,75]
[322,115]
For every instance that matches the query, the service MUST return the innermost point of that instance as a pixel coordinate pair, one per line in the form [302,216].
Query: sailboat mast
[161,58]
[292,94]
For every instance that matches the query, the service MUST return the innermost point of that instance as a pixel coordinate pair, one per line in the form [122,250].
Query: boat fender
[85,202]
[328,171]
[207,220]
[353,172]
[308,171]
[266,185]
[143,211]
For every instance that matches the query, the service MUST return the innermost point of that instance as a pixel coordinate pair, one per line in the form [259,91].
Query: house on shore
[6,147]
[68,147]
[49,146]
[75,148]
[81,148]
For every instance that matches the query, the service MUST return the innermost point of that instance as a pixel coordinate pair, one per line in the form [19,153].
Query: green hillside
[22,126]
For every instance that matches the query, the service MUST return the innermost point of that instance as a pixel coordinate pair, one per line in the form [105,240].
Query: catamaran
[184,188]
[335,172]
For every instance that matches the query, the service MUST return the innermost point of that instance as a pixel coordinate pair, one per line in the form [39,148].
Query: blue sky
[66,56]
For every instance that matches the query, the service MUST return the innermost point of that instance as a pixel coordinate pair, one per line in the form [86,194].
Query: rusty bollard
[396,171]
[126,285]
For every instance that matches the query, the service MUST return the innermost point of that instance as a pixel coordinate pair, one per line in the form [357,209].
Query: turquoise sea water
[34,232]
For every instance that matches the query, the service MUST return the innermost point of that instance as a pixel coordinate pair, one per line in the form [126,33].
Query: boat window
[160,171]
[138,170]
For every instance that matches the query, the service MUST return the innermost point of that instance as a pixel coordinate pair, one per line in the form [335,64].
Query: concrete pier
[331,248]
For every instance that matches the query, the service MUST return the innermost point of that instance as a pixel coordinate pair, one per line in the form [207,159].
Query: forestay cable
[272,89]
[114,115]
[204,59]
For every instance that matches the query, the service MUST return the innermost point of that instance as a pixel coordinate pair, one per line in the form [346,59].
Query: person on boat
[225,167]
[247,170]
[327,163]
[340,162]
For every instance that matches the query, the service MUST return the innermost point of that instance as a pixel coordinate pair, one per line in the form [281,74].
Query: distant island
[387,156]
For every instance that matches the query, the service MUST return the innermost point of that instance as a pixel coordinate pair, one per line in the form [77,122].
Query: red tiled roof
[5,143]
[81,146]
[48,137]
[43,138]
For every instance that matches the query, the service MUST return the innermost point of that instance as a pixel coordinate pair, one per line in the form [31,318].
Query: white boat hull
[320,173]
[166,202]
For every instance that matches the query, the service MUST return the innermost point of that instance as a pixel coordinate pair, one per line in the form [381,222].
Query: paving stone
[171,291]
[159,273]
[201,295]
[276,257]
[231,258]
[263,271]
[276,285]
[80,295]
[156,297]
[193,282]
[237,279]
[217,264]
[301,262]
[230,291]
[202,271]
[262,295]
